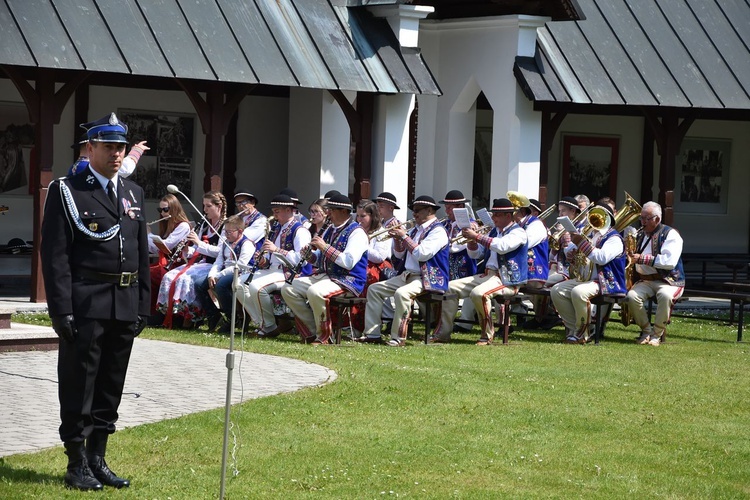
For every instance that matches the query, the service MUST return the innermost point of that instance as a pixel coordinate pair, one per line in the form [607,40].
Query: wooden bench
[739,298]
[430,298]
[602,303]
[707,271]
[343,304]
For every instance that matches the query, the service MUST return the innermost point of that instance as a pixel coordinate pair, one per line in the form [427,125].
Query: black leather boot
[96,446]
[79,475]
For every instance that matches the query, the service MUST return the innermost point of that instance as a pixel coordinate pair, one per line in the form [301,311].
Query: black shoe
[549,323]
[269,335]
[461,329]
[104,474]
[80,477]
[370,340]
[213,320]
[532,324]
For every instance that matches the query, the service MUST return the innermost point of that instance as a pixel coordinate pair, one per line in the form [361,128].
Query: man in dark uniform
[95,265]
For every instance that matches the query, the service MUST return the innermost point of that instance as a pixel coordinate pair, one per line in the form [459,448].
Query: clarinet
[259,252]
[305,253]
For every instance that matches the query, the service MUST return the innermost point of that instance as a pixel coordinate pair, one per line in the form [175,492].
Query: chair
[602,303]
[430,298]
[343,304]
[504,305]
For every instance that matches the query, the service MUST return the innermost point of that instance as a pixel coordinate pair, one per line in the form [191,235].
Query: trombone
[461,240]
[382,234]
[556,234]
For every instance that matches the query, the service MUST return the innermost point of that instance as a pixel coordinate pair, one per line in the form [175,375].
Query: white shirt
[357,245]
[257,230]
[669,255]
[426,249]
[536,232]
[225,262]
[178,234]
[611,249]
[500,245]
[301,239]
[378,251]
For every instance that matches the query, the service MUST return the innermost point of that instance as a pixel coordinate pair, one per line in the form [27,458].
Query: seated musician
[504,251]
[236,249]
[287,237]
[177,295]
[538,256]
[424,254]
[460,264]
[255,222]
[572,298]
[341,257]
[172,232]
[378,253]
[658,266]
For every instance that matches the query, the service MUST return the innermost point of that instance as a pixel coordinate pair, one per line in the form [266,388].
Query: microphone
[172,189]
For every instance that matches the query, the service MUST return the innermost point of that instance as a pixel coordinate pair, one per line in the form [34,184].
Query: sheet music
[159,243]
[462,217]
[485,217]
[566,223]
[286,262]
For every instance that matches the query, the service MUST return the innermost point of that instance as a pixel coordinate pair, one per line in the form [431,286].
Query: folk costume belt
[122,279]
[650,277]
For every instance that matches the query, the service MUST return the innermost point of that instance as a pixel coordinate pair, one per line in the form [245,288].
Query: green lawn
[533,419]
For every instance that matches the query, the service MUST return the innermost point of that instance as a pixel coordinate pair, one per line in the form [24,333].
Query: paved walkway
[165,380]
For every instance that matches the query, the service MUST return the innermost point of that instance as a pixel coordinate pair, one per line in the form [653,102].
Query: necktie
[112,194]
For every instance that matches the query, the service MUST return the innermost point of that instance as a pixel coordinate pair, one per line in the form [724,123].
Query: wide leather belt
[122,279]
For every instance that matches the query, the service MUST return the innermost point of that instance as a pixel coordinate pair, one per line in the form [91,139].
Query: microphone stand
[230,355]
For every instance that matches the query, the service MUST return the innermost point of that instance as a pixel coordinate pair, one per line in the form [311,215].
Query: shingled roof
[676,53]
[292,43]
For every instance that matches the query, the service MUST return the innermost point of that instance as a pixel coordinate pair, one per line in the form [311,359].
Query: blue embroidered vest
[611,276]
[460,264]
[538,256]
[353,280]
[286,242]
[512,266]
[676,276]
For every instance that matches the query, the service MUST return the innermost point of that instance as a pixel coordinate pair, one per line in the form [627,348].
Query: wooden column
[215,114]
[668,134]
[45,107]
[647,166]
[550,125]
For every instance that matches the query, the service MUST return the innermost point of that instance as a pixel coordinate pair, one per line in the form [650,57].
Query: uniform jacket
[66,249]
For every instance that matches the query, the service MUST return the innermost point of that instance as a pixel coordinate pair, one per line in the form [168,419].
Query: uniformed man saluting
[95,265]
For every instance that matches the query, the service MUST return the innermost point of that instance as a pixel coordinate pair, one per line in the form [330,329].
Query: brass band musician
[658,264]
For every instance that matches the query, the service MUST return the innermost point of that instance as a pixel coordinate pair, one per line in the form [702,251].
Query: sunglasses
[163,209]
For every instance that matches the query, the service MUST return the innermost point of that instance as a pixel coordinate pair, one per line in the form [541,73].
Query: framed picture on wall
[170,159]
[702,170]
[16,143]
[590,166]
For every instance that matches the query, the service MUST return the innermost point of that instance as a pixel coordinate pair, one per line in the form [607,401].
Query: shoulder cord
[74,217]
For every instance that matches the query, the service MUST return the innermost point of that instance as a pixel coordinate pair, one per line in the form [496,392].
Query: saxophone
[630,238]
[305,254]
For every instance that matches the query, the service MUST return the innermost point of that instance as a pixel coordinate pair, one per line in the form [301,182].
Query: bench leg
[740,320]
[506,321]
[427,321]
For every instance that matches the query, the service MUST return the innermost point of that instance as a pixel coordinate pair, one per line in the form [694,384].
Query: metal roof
[294,43]
[677,53]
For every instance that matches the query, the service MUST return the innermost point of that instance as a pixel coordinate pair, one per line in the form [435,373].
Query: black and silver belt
[122,279]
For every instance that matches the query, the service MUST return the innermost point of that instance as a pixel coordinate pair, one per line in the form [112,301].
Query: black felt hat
[535,204]
[502,205]
[330,193]
[423,201]
[339,201]
[81,141]
[570,202]
[292,194]
[388,198]
[283,200]
[245,192]
[454,197]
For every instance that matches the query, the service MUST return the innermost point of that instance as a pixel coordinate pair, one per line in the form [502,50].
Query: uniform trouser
[572,299]
[256,297]
[91,373]
[666,295]
[403,288]
[480,289]
[313,320]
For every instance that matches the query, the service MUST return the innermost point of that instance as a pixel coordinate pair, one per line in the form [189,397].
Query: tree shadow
[12,475]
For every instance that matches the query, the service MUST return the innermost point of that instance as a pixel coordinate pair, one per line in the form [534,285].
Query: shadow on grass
[13,475]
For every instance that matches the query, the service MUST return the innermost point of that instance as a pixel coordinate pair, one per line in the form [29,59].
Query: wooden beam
[550,126]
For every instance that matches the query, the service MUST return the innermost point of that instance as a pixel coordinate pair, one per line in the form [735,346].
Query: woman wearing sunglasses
[172,231]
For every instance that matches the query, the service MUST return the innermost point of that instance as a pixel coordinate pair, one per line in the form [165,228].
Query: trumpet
[462,240]
[556,234]
[382,234]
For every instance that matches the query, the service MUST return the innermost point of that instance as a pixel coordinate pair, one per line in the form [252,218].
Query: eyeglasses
[646,219]
[163,209]
[233,230]
[241,203]
[316,212]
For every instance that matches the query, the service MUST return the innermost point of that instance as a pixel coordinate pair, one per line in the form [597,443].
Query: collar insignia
[90,179]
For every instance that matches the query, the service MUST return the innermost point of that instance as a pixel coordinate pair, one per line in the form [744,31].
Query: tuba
[517,199]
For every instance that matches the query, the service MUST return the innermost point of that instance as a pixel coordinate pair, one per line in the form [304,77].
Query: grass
[533,419]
